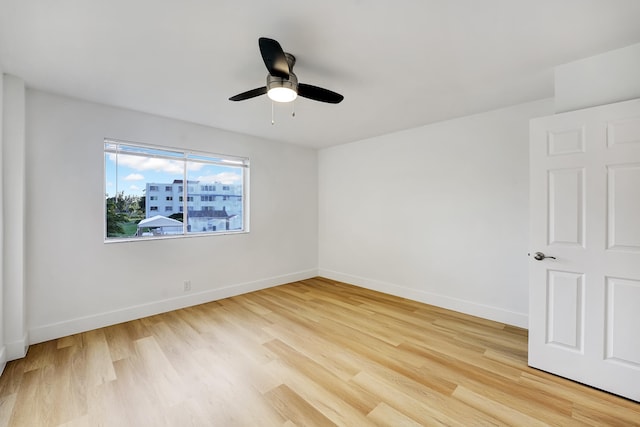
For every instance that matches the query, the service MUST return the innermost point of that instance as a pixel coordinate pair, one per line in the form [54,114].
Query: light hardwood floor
[309,353]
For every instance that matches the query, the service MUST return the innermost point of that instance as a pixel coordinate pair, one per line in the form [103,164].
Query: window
[133,172]
[225,188]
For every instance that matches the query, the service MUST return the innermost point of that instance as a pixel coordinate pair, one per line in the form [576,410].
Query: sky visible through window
[133,172]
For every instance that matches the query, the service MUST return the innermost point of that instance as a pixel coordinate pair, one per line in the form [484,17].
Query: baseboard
[43,333]
[17,349]
[87,323]
[463,306]
[3,358]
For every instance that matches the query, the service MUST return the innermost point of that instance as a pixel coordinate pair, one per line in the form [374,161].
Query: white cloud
[134,177]
[134,188]
[148,163]
[194,166]
[222,178]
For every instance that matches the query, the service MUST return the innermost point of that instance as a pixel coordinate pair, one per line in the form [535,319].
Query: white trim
[3,359]
[87,323]
[463,306]
[238,161]
[17,349]
[113,240]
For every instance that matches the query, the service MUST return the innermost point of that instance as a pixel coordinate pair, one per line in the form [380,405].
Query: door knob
[540,256]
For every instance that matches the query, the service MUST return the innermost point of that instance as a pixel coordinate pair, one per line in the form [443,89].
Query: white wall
[76,282]
[438,214]
[3,350]
[601,79]
[13,240]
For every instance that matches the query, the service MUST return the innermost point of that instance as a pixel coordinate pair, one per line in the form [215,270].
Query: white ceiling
[399,64]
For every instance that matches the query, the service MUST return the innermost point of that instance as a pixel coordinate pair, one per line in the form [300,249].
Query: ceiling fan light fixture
[282,90]
[282,94]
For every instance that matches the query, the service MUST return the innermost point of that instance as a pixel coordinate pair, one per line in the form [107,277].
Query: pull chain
[293,112]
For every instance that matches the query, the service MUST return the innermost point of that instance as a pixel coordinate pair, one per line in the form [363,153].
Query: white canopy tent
[160,225]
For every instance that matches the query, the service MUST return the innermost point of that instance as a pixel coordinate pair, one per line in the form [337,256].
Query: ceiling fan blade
[274,58]
[319,94]
[249,94]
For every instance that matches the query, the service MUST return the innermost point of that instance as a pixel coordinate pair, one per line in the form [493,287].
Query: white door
[584,304]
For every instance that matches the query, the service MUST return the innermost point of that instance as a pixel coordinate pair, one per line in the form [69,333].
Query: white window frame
[114,146]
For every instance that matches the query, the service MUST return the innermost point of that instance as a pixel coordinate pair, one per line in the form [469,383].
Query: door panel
[566,309]
[566,207]
[623,210]
[584,304]
[625,131]
[567,141]
[623,308]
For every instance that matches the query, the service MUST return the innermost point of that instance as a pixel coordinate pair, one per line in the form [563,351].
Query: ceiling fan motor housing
[290,83]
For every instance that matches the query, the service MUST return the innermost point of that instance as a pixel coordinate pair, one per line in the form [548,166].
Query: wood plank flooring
[309,353]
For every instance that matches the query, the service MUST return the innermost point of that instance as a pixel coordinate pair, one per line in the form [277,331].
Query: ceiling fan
[282,83]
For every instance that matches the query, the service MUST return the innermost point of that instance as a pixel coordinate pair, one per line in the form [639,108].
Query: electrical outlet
[187,285]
